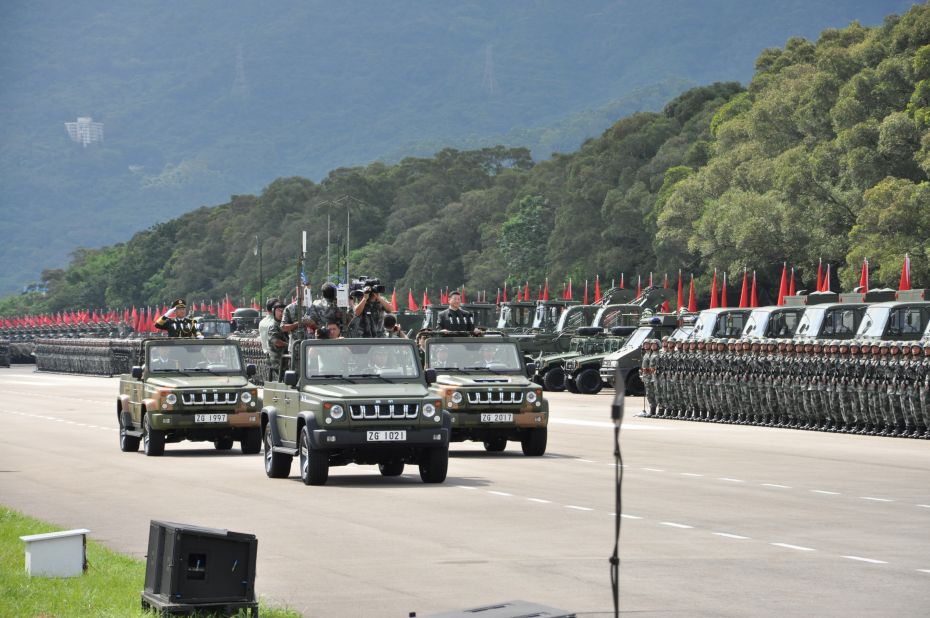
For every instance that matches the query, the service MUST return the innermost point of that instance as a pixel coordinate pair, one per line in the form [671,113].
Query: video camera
[362,282]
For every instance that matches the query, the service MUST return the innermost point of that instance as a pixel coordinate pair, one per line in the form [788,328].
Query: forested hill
[203,100]
[825,154]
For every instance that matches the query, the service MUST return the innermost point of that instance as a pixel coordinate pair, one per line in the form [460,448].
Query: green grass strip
[111,587]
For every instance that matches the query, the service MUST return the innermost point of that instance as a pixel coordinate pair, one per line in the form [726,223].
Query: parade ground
[717,520]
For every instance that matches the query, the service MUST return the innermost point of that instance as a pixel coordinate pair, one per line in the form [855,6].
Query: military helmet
[915,349]
[328,290]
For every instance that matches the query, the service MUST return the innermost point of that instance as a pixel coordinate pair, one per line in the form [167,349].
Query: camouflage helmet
[884,347]
[915,349]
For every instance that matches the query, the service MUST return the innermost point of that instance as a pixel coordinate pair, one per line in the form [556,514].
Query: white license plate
[497,417]
[209,418]
[387,436]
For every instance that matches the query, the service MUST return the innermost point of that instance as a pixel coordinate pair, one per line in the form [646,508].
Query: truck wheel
[127,443]
[223,444]
[554,380]
[495,445]
[570,385]
[634,384]
[435,465]
[391,468]
[588,381]
[314,465]
[252,442]
[277,465]
[153,441]
[534,443]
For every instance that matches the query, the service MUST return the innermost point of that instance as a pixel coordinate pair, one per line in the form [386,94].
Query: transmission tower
[85,130]
[487,82]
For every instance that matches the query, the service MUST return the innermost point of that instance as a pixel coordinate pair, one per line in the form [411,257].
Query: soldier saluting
[456,319]
[176,322]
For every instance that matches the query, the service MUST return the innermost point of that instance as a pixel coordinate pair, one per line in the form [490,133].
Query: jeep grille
[374,411]
[495,398]
[209,399]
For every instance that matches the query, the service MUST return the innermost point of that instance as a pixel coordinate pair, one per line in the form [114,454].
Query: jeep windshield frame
[360,360]
[494,356]
[194,357]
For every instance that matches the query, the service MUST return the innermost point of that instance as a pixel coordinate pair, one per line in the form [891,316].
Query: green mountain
[203,100]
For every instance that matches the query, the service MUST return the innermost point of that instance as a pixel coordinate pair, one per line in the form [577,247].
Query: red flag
[425,302]
[526,291]
[791,289]
[498,300]
[665,307]
[905,283]
[864,277]
[597,288]
[819,274]
[464,300]
[505,292]
[754,300]
[411,305]
[570,295]
[639,286]
[394,300]
[546,290]
[826,279]
[783,286]
[134,317]
[621,282]
[723,291]
[713,291]
[744,293]
[692,303]
[586,291]
[681,301]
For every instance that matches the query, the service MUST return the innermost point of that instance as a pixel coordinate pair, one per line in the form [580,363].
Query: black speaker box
[189,567]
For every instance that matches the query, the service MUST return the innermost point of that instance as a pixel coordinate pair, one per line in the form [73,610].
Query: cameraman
[371,309]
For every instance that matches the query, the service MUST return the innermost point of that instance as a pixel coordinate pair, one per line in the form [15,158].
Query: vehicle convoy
[625,363]
[902,320]
[482,383]
[362,401]
[550,368]
[582,374]
[189,389]
[720,323]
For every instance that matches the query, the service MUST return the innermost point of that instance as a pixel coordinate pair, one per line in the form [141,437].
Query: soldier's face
[180,312]
[278,313]
[455,301]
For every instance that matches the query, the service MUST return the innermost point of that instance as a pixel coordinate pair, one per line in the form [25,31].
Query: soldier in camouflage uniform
[324,310]
[277,343]
[647,374]
[923,386]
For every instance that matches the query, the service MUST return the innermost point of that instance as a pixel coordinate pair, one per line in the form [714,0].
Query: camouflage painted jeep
[189,389]
[363,401]
[482,382]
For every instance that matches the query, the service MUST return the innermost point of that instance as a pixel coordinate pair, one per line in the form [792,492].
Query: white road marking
[923,570]
[731,536]
[605,425]
[465,487]
[690,474]
[826,493]
[870,560]
[723,478]
[789,546]
[540,500]
[876,499]
[586,460]
[626,516]
[924,506]
[654,469]
[499,493]
[674,525]
[577,508]
[774,485]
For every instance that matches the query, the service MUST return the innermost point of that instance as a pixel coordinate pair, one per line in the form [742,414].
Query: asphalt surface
[719,520]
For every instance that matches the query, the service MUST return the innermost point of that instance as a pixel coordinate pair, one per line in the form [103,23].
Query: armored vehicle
[583,373]
[189,389]
[482,382]
[625,363]
[245,319]
[895,321]
[830,321]
[550,372]
[720,323]
[363,401]
[772,322]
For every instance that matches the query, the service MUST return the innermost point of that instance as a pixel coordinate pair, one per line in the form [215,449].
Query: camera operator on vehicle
[370,309]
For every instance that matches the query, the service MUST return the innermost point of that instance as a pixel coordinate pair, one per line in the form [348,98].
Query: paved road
[719,520]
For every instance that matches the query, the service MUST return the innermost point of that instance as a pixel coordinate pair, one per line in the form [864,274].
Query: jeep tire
[314,465]
[434,465]
[570,385]
[534,442]
[252,442]
[277,465]
[495,445]
[588,381]
[554,380]
[127,443]
[391,468]
[153,440]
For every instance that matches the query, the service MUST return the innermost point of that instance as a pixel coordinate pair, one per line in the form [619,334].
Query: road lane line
[876,499]
[627,516]
[540,500]
[499,493]
[605,425]
[826,493]
[586,460]
[789,546]
[924,506]
[774,485]
[577,508]
[731,536]
[654,469]
[690,474]
[724,478]
[674,525]
[465,487]
[869,560]
[923,570]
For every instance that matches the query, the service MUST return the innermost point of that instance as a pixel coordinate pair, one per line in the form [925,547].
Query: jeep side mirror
[250,370]
[137,372]
[530,369]
[290,378]
[430,376]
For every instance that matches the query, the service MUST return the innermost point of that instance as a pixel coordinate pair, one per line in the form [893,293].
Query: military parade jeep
[482,383]
[363,401]
[189,389]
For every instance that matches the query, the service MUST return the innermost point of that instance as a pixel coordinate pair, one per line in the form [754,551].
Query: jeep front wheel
[589,382]
[554,380]
[534,442]
[153,440]
[435,465]
[314,465]
[277,465]
[252,442]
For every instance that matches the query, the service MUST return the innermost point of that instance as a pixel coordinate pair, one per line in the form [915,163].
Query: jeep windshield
[475,356]
[193,358]
[360,360]
[639,335]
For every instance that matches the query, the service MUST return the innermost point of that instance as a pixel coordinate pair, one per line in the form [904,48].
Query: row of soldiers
[873,388]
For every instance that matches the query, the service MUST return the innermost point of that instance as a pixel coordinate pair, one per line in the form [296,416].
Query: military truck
[828,315]
[362,401]
[583,373]
[772,322]
[189,389]
[482,383]
[626,362]
[550,372]
[901,320]
[720,323]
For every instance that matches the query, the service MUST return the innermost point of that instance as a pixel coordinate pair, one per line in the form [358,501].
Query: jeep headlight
[429,410]
[336,412]
[456,397]
[246,397]
[171,399]
[531,397]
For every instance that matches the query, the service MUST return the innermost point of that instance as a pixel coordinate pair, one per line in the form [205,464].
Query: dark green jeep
[363,401]
[189,389]
[482,382]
